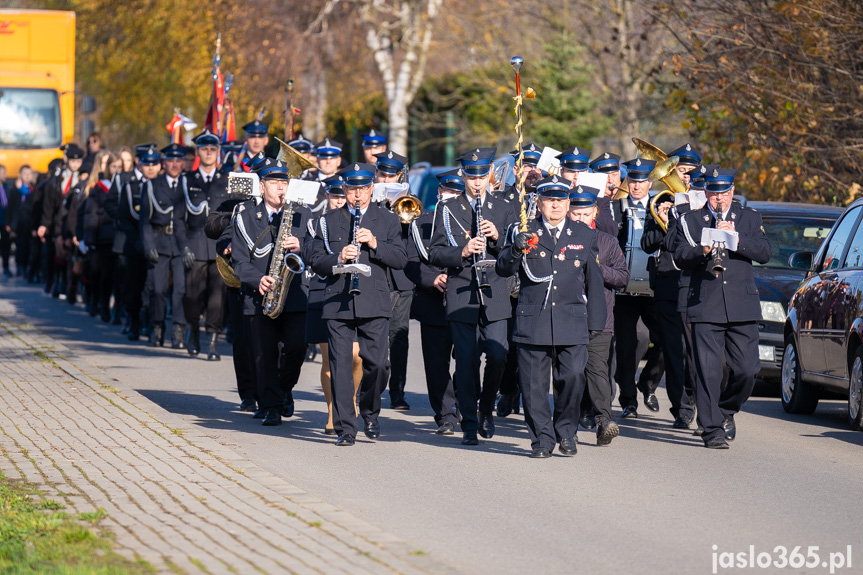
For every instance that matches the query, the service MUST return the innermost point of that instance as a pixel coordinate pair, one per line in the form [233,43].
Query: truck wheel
[797,395]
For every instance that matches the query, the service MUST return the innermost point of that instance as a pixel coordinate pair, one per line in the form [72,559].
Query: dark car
[791,228]
[824,330]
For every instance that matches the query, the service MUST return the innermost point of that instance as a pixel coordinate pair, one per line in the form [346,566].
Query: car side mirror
[801,261]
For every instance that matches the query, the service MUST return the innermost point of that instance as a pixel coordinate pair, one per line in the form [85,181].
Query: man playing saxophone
[253,247]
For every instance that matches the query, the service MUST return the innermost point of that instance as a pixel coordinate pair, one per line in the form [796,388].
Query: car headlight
[772,311]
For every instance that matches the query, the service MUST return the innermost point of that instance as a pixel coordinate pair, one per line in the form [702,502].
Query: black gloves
[152,255]
[520,243]
[188,257]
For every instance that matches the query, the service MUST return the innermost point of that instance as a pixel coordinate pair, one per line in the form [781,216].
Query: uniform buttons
[555,287]
[553,304]
[555,271]
[725,282]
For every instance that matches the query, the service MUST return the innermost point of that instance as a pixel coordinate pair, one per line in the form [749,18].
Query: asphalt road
[654,501]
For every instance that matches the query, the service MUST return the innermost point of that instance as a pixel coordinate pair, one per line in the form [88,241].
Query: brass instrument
[669,177]
[407,208]
[666,172]
[718,255]
[499,177]
[652,208]
[295,161]
[283,267]
[355,277]
[229,276]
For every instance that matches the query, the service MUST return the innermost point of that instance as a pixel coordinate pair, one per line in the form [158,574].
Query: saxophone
[283,267]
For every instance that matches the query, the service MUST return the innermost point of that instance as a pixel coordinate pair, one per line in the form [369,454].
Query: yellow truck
[37,86]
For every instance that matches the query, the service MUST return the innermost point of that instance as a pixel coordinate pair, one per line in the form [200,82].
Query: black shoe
[288,405]
[540,453]
[273,417]
[177,337]
[311,352]
[329,431]
[504,405]
[486,425]
[629,411]
[372,429]
[133,334]
[105,315]
[607,431]
[587,420]
[730,428]
[681,423]
[446,428]
[345,440]
[248,405]
[400,405]
[260,414]
[699,431]
[213,351]
[469,438]
[651,403]
[716,442]
[568,447]
[157,337]
[193,340]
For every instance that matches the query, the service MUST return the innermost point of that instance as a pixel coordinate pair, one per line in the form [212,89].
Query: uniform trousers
[599,392]
[437,349]
[118,287]
[670,334]
[135,281]
[204,285]
[277,367]
[373,337]
[101,277]
[739,341]
[629,350]
[5,246]
[509,381]
[470,341]
[22,253]
[160,274]
[243,367]
[565,364]
[399,328]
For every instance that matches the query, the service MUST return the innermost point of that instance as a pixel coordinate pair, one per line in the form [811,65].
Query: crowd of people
[544,284]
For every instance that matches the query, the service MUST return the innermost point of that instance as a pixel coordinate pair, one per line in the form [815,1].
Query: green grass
[37,537]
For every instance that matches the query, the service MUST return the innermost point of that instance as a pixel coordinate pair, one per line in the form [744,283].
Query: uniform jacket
[733,296]
[160,208]
[53,198]
[252,246]
[100,217]
[462,298]
[374,301]
[615,274]
[666,272]
[199,197]
[564,310]
[427,305]
[128,215]
[317,284]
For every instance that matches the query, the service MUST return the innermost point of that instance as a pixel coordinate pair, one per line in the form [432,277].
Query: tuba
[407,208]
[296,162]
[664,170]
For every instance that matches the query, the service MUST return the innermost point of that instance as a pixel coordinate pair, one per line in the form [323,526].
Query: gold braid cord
[519,163]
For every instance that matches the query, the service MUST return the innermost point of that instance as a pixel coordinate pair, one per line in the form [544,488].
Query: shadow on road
[831,416]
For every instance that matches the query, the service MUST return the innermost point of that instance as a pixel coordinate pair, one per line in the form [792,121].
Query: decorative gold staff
[516,62]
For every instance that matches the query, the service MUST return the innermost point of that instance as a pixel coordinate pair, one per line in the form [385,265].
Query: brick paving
[173,497]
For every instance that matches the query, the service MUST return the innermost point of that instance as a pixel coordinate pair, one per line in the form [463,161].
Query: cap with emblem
[328,149]
[696,176]
[390,163]
[255,161]
[233,146]
[555,187]
[373,139]
[477,162]
[333,185]
[687,155]
[574,159]
[532,154]
[301,144]
[605,162]
[719,180]
[271,169]
[73,151]
[148,154]
[452,181]
[583,197]
[256,129]
[173,151]
[206,138]
[358,175]
[637,170]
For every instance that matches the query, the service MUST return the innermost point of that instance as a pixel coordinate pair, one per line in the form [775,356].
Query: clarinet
[355,277]
[718,266]
[482,275]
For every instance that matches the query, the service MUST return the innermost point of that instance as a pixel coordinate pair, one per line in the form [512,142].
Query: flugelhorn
[652,208]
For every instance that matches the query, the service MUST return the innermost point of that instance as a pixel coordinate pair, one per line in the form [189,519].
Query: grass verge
[37,536]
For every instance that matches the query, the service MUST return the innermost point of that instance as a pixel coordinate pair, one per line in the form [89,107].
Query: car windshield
[29,118]
[788,235]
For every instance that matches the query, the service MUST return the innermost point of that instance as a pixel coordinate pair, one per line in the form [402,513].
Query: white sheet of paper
[681,198]
[597,180]
[547,159]
[302,191]
[726,238]
[389,192]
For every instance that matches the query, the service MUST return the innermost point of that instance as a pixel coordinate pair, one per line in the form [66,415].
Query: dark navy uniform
[100,228]
[128,216]
[477,321]
[253,239]
[203,282]
[121,271]
[428,308]
[161,221]
[560,301]
[364,317]
[723,313]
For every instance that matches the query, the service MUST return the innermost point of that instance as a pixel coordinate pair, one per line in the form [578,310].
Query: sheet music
[302,191]
[727,239]
[598,181]
[548,160]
